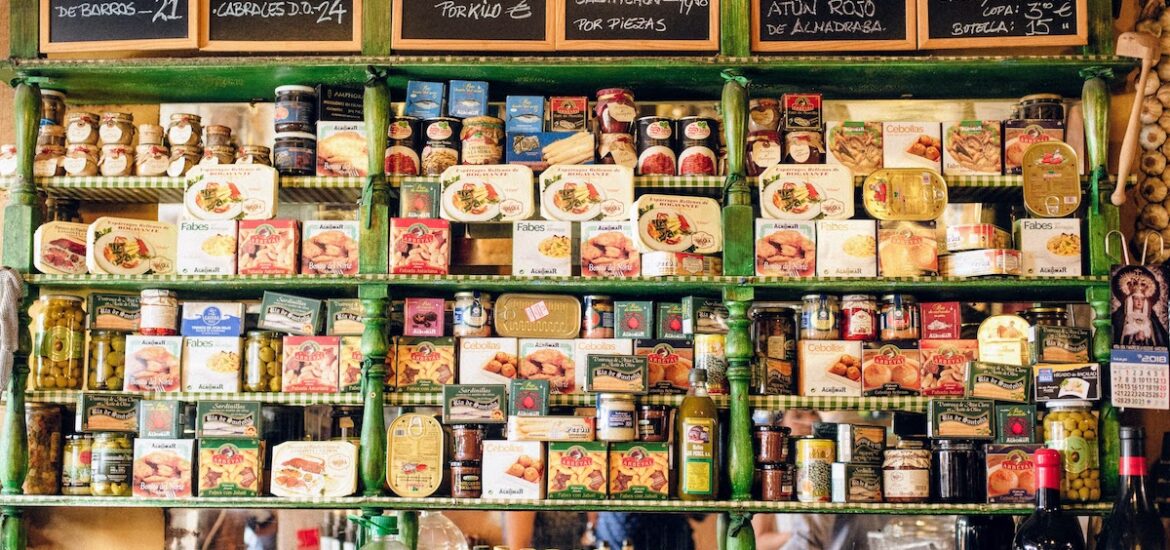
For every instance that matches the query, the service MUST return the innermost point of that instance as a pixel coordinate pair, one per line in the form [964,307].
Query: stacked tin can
[689,146]
[185,135]
[855,474]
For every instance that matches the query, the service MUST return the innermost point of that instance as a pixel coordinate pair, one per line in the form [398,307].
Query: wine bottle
[1133,524]
[984,533]
[1162,478]
[1048,528]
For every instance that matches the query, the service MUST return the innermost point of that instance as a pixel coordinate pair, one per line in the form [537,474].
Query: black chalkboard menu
[281,25]
[84,26]
[1000,23]
[472,25]
[820,25]
[691,25]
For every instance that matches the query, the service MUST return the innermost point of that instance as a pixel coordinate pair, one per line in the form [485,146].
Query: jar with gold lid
[58,343]
[150,134]
[51,134]
[254,154]
[218,135]
[116,128]
[113,459]
[263,353]
[76,465]
[183,158]
[107,360]
[151,160]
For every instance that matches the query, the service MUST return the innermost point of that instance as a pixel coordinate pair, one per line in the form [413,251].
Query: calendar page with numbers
[1140,379]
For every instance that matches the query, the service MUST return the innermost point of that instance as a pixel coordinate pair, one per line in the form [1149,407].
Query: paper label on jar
[76,166]
[152,166]
[116,166]
[620,112]
[46,168]
[906,484]
[179,135]
[79,132]
[177,167]
[765,153]
[110,133]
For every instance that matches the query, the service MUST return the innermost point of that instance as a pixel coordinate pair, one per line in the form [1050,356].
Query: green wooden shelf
[443,503]
[1006,288]
[145,80]
[162,189]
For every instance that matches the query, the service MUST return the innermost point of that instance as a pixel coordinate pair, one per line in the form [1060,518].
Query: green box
[475,404]
[999,382]
[668,322]
[961,419]
[617,374]
[578,470]
[702,315]
[419,199]
[113,311]
[1050,344]
[290,314]
[228,419]
[528,397]
[344,317]
[163,419]
[633,319]
[107,413]
[230,467]
[1015,424]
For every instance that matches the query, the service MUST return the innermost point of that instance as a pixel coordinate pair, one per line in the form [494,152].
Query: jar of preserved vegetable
[263,351]
[81,159]
[218,154]
[107,360]
[58,343]
[52,106]
[183,158]
[820,317]
[957,472]
[615,110]
[151,160]
[43,423]
[774,363]
[467,442]
[295,153]
[113,458]
[859,317]
[906,473]
[49,161]
[159,313]
[51,134]
[482,138]
[150,134]
[76,465]
[255,154]
[1071,428]
[82,127]
[219,136]
[117,160]
[466,479]
[899,319]
[295,109]
[184,129]
[653,425]
[116,128]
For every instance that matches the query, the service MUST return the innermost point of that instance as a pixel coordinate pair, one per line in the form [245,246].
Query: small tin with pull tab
[1052,187]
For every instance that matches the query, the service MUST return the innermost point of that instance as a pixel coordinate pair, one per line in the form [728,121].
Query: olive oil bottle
[697,434]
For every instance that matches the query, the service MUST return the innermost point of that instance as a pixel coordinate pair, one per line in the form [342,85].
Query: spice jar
[51,134]
[906,473]
[482,138]
[763,151]
[113,458]
[772,444]
[159,313]
[116,128]
[804,148]
[255,154]
[58,343]
[1047,316]
[81,160]
[218,135]
[615,110]
[819,317]
[295,153]
[117,160]
[776,481]
[472,314]
[616,417]
[49,161]
[859,317]
[76,465]
[151,160]
[52,107]
[466,479]
[43,423]
[263,353]
[183,158]
[150,134]
[597,321]
[1071,428]
[184,129]
[107,360]
[82,127]
[295,109]
[467,442]
[653,423]
[899,318]
[957,472]
[774,363]
[763,115]
[218,154]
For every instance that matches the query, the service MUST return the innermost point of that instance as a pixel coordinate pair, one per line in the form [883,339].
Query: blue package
[524,113]
[527,148]
[212,319]
[424,99]
[468,98]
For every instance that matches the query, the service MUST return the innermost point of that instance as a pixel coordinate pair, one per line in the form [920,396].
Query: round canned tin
[482,138]
[403,145]
[655,141]
[814,469]
[440,137]
[698,139]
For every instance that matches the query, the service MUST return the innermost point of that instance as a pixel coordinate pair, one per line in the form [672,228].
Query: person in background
[794,531]
[562,530]
[644,531]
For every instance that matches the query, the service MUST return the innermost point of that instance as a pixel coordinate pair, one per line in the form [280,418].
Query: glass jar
[43,423]
[482,138]
[1046,316]
[804,148]
[1041,107]
[774,363]
[345,424]
[116,129]
[158,313]
[113,459]
[263,352]
[76,469]
[653,423]
[295,154]
[51,134]
[107,360]
[820,317]
[957,472]
[218,154]
[52,107]
[467,442]
[49,161]
[82,127]
[255,154]
[295,109]
[219,136]
[764,115]
[58,343]
[183,158]
[117,160]
[906,473]
[859,317]
[1071,428]
[466,479]
[151,160]
[616,417]
[763,151]
[81,159]
[597,319]
[772,444]
[150,134]
[776,481]
[899,318]
[184,129]
[615,110]
[472,314]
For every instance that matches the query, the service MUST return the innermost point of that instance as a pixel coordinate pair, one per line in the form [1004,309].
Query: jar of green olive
[77,465]
[58,343]
[262,358]
[1071,428]
[107,360]
[113,459]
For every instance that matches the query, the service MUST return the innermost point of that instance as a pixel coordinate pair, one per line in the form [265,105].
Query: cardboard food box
[583,348]
[230,467]
[578,470]
[419,246]
[1011,474]
[669,322]
[349,364]
[891,370]
[972,148]
[577,193]
[941,320]
[228,419]
[425,99]
[912,145]
[419,199]
[703,316]
[976,236]
[999,382]
[341,149]
[524,113]
[542,248]
[1015,423]
[786,248]
[846,248]
[314,469]
[329,248]
[549,359]
[856,482]
[855,145]
[212,363]
[801,112]
[551,428]
[230,192]
[310,364]
[212,319]
[60,248]
[474,404]
[961,419]
[291,314]
[268,247]
[680,264]
[424,316]
[487,193]
[1004,339]
[1018,135]
[907,249]
[616,374]
[339,102]
[165,419]
[639,471]
[673,223]
[113,311]
[528,398]
[207,247]
[344,317]
[1050,247]
[153,363]
[1066,381]
[468,98]
[425,364]
[633,319]
[163,468]
[668,364]
[860,444]
[944,366]
[568,113]
[981,263]
[513,469]
[1051,344]
[488,360]
[829,368]
[107,413]
[608,250]
[123,246]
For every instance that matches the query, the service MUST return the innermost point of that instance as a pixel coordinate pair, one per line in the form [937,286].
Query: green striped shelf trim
[68,397]
[923,280]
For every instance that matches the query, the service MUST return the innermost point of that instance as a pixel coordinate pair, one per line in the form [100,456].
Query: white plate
[115,269]
[233,210]
[457,214]
[684,242]
[814,208]
[589,213]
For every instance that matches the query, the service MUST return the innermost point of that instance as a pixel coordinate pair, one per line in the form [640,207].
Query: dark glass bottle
[1133,523]
[984,533]
[1162,478]
[1048,528]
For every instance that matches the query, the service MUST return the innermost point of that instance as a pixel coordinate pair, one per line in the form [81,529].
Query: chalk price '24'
[326,11]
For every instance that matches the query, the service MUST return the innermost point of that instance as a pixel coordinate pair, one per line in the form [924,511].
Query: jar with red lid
[763,151]
[615,110]
[159,313]
[859,317]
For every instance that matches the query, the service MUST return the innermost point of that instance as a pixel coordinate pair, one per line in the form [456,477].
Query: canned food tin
[899,318]
[615,110]
[804,148]
[820,317]
[764,115]
[698,139]
[597,321]
[763,151]
[482,138]
[81,127]
[440,150]
[710,354]
[655,139]
[472,314]
[859,317]
[814,469]
[774,367]
[402,147]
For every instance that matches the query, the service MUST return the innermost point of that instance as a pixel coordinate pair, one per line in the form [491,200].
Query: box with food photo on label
[212,319]
[1050,247]
[668,364]
[639,471]
[608,250]
[329,248]
[163,468]
[680,264]
[425,99]
[829,368]
[1004,339]
[999,382]
[528,398]
[786,249]
[542,249]
[941,320]
[474,404]
[633,319]
[425,364]
[113,311]
[166,419]
[310,364]
[568,113]
[419,246]
[524,113]
[153,363]
[1015,423]
[1011,473]
[228,419]
[976,236]
[585,347]
[268,247]
[703,316]
[314,469]
[856,482]
[492,193]
[419,199]
[230,467]
[578,470]
[344,317]
[577,193]
[468,98]
[1019,135]
[670,223]
[855,145]
[972,148]
[423,316]
[860,444]
[806,192]
[349,364]
[211,363]
[123,246]
[551,428]
[907,249]
[1053,344]
[291,314]
[513,469]
[961,419]
[801,112]
[912,145]
[107,413]
[207,247]
[846,248]
[549,359]
[341,149]
[944,366]
[1066,381]
[60,248]
[617,374]
[231,192]
[889,369]
[488,360]
[669,322]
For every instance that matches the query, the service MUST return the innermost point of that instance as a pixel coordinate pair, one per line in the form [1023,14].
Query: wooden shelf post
[23,214]
[372,457]
[740,459]
[738,215]
[374,256]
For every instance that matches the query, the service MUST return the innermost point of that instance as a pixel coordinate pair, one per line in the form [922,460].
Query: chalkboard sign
[1000,23]
[472,25]
[824,26]
[672,25]
[86,26]
[281,25]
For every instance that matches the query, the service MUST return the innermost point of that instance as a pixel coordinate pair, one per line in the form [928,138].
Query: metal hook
[1146,242]
[1124,246]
